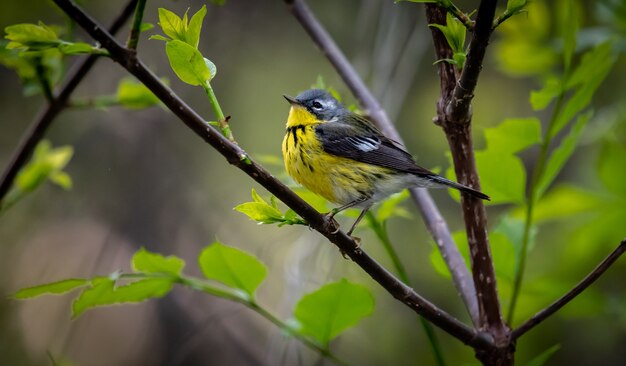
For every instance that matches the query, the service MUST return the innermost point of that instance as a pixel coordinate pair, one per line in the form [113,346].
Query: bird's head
[313,106]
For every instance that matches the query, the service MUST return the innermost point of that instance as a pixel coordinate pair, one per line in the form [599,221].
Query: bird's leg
[337,210]
[358,219]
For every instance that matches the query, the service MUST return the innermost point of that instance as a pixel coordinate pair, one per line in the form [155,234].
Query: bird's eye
[317,105]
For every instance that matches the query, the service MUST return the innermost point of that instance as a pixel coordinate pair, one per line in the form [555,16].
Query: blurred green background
[142,179]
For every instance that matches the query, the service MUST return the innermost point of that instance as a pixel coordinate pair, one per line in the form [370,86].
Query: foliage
[319,316]
[47,164]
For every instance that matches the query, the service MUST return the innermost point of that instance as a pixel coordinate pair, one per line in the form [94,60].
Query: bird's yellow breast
[340,180]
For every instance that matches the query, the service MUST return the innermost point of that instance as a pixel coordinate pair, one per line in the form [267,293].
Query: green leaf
[611,167]
[335,307]
[561,154]
[31,36]
[390,207]
[513,135]
[187,62]
[145,26]
[540,99]
[569,27]
[544,356]
[148,262]
[232,267]
[159,37]
[513,228]
[55,288]
[61,179]
[592,77]
[77,48]
[195,25]
[515,6]
[454,32]
[135,95]
[592,64]
[103,292]
[564,201]
[45,162]
[171,24]
[502,177]
[261,212]
[440,266]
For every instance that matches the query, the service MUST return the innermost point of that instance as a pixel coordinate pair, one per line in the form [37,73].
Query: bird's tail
[460,187]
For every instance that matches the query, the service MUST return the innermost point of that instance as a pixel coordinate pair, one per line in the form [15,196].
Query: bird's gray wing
[365,144]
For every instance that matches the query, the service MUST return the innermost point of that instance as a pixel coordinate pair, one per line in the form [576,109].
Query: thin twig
[433,219]
[238,157]
[44,119]
[565,299]
[454,115]
[133,37]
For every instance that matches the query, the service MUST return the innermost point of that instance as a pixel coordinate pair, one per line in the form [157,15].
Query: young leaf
[565,201]
[59,287]
[260,212]
[134,95]
[540,99]
[61,179]
[171,24]
[103,292]
[187,62]
[232,267]
[454,32]
[328,311]
[31,36]
[45,162]
[195,25]
[561,154]
[513,135]
[148,262]
[78,48]
[502,177]
[390,207]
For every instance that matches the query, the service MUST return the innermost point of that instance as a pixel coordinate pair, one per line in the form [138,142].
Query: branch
[458,108]
[433,219]
[45,117]
[582,286]
[454,115]
[238,157]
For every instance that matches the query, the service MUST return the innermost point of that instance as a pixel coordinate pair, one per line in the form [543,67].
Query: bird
[341,156]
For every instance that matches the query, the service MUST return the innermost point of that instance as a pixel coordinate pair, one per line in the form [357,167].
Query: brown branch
[235,155]
[433,219]
[44,119]
[565,299]
[454,115]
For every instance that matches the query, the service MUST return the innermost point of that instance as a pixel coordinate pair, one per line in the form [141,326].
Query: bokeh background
[141,179]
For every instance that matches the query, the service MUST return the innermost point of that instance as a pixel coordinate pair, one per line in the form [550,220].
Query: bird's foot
[357,241]
[331,223]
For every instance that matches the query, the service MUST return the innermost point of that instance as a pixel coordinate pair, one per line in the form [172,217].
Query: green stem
[133,38]
[460,15]
[531,198]
[221,119]
[208,288]
[324,351]
[381,232]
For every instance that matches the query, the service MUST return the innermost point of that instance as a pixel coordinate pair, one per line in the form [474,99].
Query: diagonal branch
[565,299]
[454,115]
[57,103]
[434,221]
[235,155]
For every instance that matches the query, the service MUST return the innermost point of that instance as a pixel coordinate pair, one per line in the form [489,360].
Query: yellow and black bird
[342,157]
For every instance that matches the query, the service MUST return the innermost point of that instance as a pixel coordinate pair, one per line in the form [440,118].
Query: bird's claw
[332,224]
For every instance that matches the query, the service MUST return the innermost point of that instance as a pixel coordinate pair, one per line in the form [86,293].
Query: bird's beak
[292,100]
